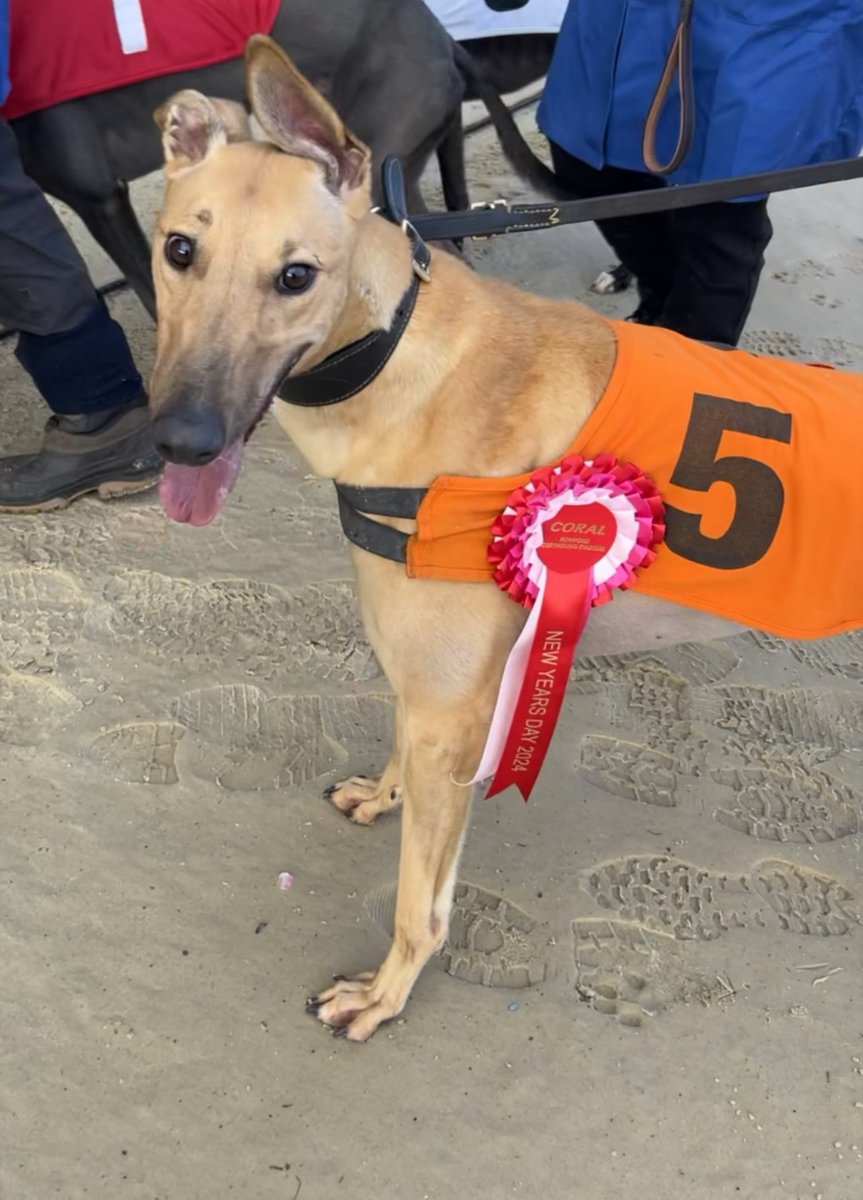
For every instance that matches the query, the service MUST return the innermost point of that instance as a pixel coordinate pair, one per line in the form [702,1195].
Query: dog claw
[329,791]
[339,978]
[341,1032]
[314,1005]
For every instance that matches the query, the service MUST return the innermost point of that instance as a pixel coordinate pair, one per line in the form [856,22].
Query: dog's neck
[468,337]
[380,273]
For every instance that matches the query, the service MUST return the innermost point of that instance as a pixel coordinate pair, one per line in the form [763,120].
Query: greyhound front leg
[437,750]
[363,799]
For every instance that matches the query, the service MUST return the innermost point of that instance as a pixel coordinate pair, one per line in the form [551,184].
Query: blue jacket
[4,50]
[778,83]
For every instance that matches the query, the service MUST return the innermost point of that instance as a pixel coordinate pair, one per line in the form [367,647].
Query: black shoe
[645,314]
[109,452]
[650,306]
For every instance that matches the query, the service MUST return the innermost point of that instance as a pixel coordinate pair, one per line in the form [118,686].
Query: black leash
[499,216]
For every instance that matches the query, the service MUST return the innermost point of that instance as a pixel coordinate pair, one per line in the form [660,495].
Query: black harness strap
[355,502]
[403,502]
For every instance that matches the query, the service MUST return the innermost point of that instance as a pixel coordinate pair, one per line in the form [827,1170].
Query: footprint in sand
[217,621]
[328,640]
[658,707]
[765,744]
[775,343]
[31,708]
[841,656]
[651,697]
[246,741]
[315,631]
[143,752]
[630,770]
[840,352]
[787,802]
[41,615]
[237,736]
[651,953]
[809,724]
[491,941]
[692,903]
[779,800]
[628,972]
[620,968]
[695,663]
[806,725]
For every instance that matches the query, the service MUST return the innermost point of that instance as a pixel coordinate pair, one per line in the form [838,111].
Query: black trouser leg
[720,256]
[644,244]
[76,354]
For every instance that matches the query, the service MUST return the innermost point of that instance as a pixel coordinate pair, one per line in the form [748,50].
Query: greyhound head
[251,259]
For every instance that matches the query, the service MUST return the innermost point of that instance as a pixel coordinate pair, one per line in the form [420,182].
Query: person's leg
[643,244]
[77,356]
[720,255]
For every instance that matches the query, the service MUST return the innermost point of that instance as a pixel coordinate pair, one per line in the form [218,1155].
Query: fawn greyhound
[272,275]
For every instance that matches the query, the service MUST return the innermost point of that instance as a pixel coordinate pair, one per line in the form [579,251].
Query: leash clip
[487,206]
[421,269]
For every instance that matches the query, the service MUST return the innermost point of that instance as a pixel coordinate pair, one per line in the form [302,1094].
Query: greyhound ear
[297,118]
[193,124]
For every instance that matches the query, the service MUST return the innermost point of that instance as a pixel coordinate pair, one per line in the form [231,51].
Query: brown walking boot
[109,452]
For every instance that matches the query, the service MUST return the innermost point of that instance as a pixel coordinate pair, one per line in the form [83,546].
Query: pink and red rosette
[626,493]
[530,505]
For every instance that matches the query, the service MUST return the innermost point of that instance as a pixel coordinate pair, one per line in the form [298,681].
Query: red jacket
[60,50]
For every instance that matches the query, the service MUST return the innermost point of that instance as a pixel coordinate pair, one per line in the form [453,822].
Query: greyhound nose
[191,438]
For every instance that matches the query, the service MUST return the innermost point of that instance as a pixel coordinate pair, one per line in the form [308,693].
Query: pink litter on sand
[286,881]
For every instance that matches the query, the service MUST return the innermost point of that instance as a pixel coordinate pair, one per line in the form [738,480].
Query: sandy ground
[652,989]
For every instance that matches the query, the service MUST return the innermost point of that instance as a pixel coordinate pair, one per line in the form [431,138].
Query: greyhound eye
[179,251]
[295,278]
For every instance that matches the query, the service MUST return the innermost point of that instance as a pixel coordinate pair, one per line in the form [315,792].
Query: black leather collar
[351,369]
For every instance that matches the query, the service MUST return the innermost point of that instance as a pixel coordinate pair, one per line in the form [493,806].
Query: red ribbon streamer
[562,617]
[574,540]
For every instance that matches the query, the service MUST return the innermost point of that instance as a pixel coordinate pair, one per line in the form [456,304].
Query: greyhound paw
[364,799]
[354,1007]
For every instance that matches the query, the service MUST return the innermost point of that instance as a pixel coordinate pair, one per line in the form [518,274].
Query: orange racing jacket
[760,465]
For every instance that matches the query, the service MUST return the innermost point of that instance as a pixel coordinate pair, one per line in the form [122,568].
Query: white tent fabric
[477,18]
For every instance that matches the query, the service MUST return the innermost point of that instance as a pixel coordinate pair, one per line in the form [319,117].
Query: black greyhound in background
[387,65]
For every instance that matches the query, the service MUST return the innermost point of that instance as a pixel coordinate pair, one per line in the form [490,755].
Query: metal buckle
[487,205]
[420,271]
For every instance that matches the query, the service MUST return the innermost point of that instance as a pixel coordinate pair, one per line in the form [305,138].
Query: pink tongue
[196,495]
